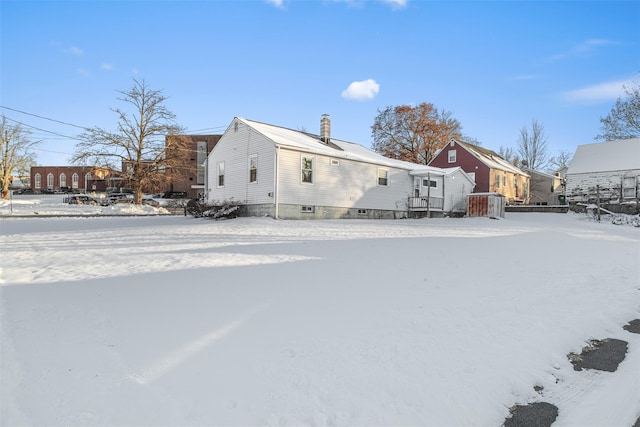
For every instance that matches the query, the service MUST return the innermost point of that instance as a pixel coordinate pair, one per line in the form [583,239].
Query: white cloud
[74,50]
[583,48]
[277,3]
[361,91]
[83,72]
[526,77]
[396,4]
[106,66]
[599,92]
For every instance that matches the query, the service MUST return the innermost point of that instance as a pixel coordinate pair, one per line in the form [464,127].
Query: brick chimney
[325,129]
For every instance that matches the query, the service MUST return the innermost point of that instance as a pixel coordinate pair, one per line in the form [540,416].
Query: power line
[44,118]
[188,132]
[43,130]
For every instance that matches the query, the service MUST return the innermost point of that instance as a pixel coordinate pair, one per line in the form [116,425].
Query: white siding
[582,186]
[456,188]
[234,148]
[349,184]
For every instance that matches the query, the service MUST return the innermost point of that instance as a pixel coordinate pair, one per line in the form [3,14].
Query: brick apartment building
[191,181]
[71,178]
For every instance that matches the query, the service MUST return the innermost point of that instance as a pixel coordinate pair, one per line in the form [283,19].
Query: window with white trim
[221,174]
[429,183]
[74,180]
[63,180]
[452,155]
[38,181]
[50,180]
[306,166]
[383,177]
[253,168]
[497,181]
[629,187]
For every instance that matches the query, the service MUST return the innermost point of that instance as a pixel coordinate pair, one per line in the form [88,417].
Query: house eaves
[309,143]
[491,159]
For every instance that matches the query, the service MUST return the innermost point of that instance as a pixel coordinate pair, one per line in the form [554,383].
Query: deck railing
[426,203]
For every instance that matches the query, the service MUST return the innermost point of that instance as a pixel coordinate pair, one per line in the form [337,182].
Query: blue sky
[495,65]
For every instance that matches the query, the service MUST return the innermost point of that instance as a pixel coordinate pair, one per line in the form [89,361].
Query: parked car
[82,200]
[113,198]
[151,202]
[23,191]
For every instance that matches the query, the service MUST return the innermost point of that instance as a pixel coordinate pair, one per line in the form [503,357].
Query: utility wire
[44,118]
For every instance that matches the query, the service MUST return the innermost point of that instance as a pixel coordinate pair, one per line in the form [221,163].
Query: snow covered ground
[171,320]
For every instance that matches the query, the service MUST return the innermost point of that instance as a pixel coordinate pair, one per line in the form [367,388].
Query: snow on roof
[621,154]
[491,158]
[339,149]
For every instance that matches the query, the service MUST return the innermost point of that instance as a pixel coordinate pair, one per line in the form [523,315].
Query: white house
[290,174]
[608,170]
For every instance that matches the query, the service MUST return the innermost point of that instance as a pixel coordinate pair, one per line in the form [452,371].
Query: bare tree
[623,122]
[509,155]
[17,153]
[142,145]
[413,134]
[561,160]
[532,146]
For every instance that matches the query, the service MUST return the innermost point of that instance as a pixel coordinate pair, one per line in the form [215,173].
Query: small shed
[486,204]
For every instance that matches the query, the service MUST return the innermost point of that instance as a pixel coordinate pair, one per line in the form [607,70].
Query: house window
[429,183]
[452,156]
[307,209]
[50,180]
[253,168]
[629,187]
[221,174]
[504,181]
[63,180]
[306,164]
[87,178]
[74,180]
[38,181]
[497,181]
[335,162]
[383,177]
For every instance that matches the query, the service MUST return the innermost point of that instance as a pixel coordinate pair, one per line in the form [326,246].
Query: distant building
[192,180]
[71,178]
[491,172]
[546,189]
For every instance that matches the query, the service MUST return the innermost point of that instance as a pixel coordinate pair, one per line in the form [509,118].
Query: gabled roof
[618,155]
[490,158]
[311,143]
[543,174]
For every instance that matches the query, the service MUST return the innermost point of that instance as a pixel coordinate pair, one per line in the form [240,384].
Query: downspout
[429,195]
[444,193]
[275,179]
[206,180]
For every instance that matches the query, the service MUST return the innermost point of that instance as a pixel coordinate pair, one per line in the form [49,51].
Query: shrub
[226,209]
